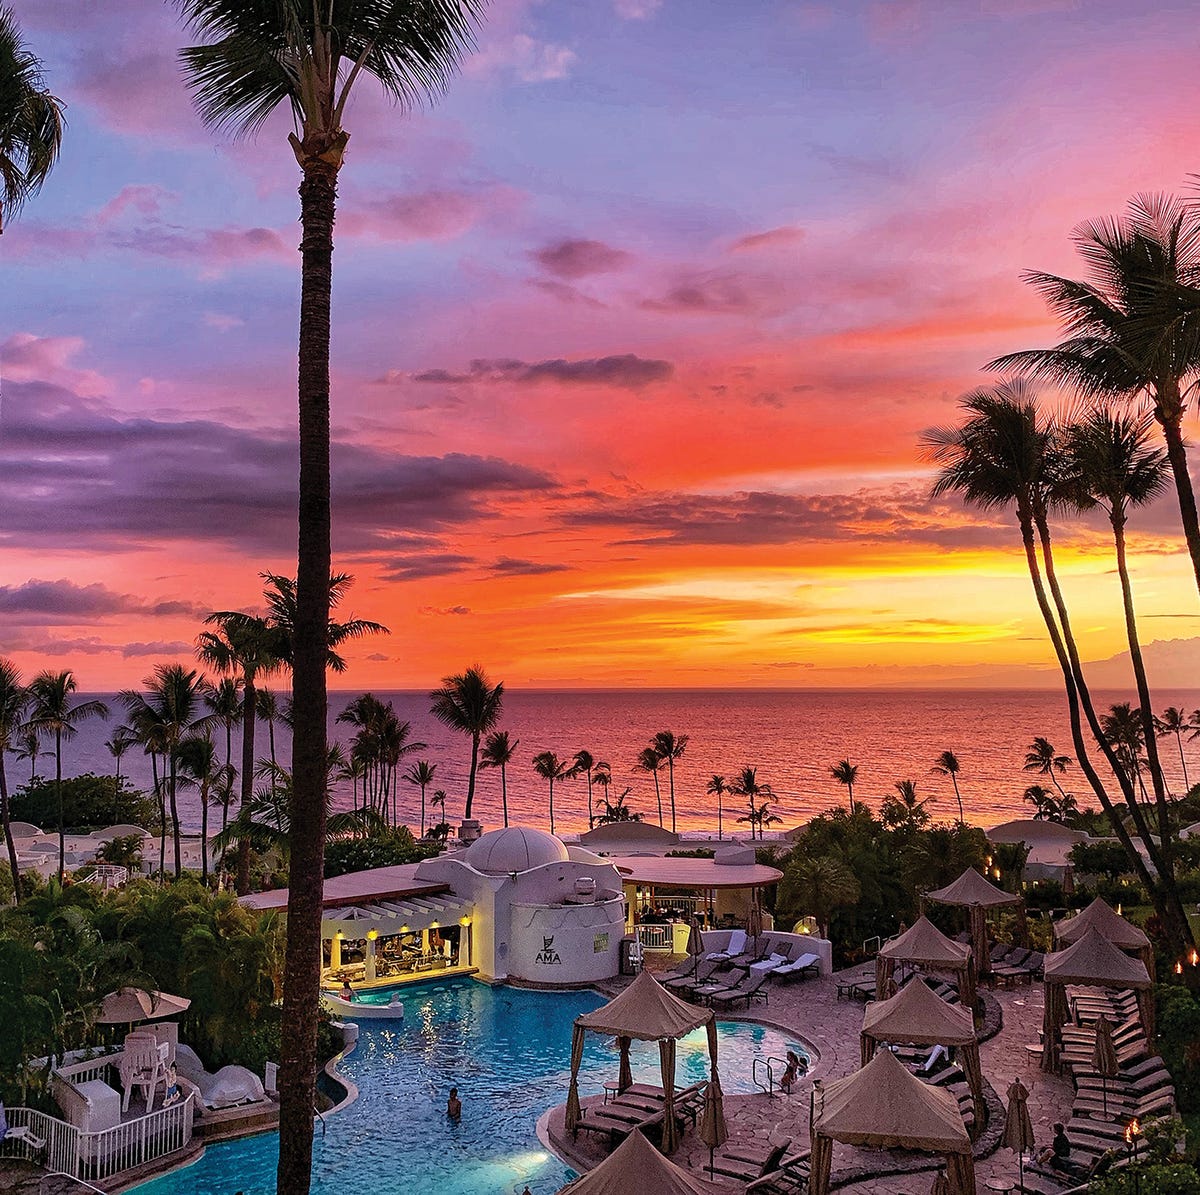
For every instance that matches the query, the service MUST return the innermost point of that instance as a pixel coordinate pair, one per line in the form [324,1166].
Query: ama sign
[548,956]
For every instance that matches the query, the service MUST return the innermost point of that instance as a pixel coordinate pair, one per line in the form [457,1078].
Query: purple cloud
[65,603]
[573,259]
[626,370]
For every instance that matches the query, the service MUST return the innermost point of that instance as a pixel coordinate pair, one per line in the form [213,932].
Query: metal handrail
[73,1177]
[766,1062]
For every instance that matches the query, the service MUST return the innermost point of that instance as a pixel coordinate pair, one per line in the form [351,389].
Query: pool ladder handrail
[766,1062]
[72,1177]
[321,1118]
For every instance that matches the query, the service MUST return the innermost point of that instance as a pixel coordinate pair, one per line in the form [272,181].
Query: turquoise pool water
[507,1050]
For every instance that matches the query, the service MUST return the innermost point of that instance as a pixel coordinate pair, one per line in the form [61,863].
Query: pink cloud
[772,238]
[523,57]
[439,214]
[30,358]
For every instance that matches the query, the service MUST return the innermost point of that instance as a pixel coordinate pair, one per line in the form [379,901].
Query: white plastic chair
[636,956]
[141,1066]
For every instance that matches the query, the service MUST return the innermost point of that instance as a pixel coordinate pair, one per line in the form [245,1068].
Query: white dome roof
[515,848]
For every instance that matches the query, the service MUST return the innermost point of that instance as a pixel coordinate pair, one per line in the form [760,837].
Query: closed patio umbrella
[1018,1128]
[941,1184]
[695,945]
[713,1130]
[1104,1060]
[131,1005]
[754,923]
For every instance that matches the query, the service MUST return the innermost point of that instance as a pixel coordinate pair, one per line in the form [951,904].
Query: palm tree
[224,701]
[200,770]
[747,785]
[439,799]
[120,742]
[248,646]
[716,787]
[14,697]
[905,811]
[1126,334]
[51,714]
[844,772]
[670,747]
[1123,731]
[1005,456]
[280,595]
[470,704]
[1044,802]
[258,54]
[498,752]
[31,121]
[582,765]
[268,712]
[649,760]
[169,712]
[1041,757]
[819,886]
[948,765]
[602,775]
[1174,721]
[421,773]
[1110,464]
[551,768]
[28,746]
[617,811]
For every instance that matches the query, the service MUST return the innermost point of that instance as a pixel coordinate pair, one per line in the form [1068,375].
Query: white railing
[97,1156]
[87,1069]
[656,937]
[107,875]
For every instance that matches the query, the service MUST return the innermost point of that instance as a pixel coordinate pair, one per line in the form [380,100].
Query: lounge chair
[802,968]
[790,1178]
[734,947]
[750,1169]
[751,988]
[687,977]
[19,1134]
[772,963]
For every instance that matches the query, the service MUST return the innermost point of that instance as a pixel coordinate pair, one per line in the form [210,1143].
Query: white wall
[566,943]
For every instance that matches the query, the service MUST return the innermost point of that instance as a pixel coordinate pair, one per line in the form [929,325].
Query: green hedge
[1179,1179]
[90,802]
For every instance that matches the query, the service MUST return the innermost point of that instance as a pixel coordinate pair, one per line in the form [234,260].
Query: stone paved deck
[811,1010]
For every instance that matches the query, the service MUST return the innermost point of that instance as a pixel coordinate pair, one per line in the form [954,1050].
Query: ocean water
[508,1051]
[791,736]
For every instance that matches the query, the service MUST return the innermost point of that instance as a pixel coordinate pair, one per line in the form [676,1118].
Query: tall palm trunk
[551,804]
[1182,762]
[1163,891]
[62,838]
[172,788]
[504,792]
[8,837]
[1168,410]
[228,775]
[162,816]
[1149,731]
[658,798]
[249,714]
[302,962]
[422,811]
[671,779]
[204,833]
[471,777]
[957,797]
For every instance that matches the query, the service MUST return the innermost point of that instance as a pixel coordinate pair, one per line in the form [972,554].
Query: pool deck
[811,1011]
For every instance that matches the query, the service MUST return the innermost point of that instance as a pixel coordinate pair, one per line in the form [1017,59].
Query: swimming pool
[507,1050]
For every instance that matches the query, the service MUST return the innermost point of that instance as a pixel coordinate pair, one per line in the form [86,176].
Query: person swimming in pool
[454,1105]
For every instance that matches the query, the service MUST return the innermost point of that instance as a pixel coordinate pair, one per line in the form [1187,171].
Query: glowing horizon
[634,336]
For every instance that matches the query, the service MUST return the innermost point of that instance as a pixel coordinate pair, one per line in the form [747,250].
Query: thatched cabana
[979,896]
[635,1165]
[1092,961]
[915,1016]
[924,945]
[885,1106]
[1101,917]
[644,1011]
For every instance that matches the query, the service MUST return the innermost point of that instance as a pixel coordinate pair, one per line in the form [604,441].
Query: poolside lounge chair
[801,968]
[686,977]
[790,1178]
[753,987]
[19,1134]
[748,1168]
[735,946]
[770,964]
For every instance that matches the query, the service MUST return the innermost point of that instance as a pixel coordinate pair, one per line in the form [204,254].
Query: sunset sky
[635,332]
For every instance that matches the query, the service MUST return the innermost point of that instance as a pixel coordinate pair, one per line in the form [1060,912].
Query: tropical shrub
[1178,1017]
[90,802]
[385,849]
[125,850]
[1179,1179]
[1106,858]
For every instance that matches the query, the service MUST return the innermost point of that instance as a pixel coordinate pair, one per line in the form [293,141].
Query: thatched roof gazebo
[924,945]
[645,1011]
[1101,917]
[635,1165]
[979,896]
[885,1106]
[916,1016]
[1092,961]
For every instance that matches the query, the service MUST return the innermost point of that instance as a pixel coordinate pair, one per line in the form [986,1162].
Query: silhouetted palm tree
[257,55]
[28,746]
[716,787]
[582,765]
[439,800]
[669,746]
[14,697]
[200,770]
[1044,802]
[120,742]
[844,772]
[746,784]
[31,121]
[1174,721]
[948,765]
[51,715]
[498,752]
[551,768]
[224,701]
[421,774]
[649,760]
[1125,333]
[1111,464]
[248,646]
[1041,757]
[470,704]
